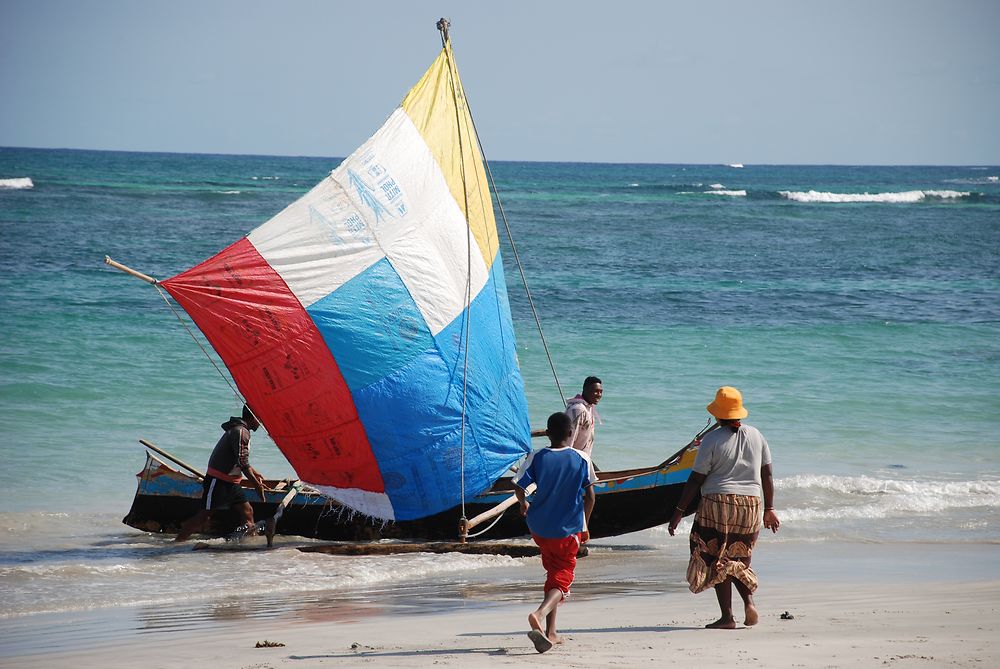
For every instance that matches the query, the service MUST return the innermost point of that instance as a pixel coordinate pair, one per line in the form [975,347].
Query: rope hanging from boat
[484,530]
[442,25]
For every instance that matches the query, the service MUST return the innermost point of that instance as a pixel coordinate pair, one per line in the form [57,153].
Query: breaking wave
[717,189]
[815,497]
[903,197]
[20,183]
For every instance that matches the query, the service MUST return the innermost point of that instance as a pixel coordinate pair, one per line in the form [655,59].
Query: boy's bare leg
[546,611]
[550,626]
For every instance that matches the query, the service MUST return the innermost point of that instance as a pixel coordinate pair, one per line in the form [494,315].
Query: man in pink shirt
[582,412]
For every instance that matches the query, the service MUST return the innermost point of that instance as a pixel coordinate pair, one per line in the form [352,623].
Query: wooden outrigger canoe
[327,307]
[627,501]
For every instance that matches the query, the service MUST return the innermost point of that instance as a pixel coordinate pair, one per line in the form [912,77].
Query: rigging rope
[517,257]
[203,350]
[443,27]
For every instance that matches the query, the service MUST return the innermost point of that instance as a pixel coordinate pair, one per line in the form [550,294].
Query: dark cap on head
[250,418]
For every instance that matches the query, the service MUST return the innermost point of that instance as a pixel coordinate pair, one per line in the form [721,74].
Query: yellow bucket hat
[728,404]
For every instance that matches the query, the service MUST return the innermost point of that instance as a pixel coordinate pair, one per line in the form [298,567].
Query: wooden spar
[289,496]
[697,438]
[129,270]
[175,460]
[511,549]
[494,512]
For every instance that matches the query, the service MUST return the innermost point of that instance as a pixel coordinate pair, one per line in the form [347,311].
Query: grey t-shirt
[732,461]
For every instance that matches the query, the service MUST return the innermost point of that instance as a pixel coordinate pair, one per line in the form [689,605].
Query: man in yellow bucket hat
[733,472]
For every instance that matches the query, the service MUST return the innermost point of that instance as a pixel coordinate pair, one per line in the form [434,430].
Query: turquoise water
[857,308]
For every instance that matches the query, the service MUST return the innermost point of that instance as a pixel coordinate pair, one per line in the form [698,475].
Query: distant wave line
[731,193]
[903,197]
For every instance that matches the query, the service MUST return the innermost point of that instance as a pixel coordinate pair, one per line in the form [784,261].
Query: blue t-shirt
[562,475]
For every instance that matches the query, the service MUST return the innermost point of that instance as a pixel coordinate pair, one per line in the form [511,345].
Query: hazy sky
[752,81]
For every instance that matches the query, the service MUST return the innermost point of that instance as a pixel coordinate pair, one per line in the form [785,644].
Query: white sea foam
[20,183]
[162,574]
[993,179]
[816,497]
[903,197]
[716,186]
[736,165]
[228,192]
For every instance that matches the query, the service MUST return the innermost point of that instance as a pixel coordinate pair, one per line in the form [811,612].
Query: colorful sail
[346,319]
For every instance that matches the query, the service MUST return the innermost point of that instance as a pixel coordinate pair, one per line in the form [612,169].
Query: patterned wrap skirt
[725,530]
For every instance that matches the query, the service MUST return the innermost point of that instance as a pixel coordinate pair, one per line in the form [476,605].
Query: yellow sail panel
[437,107]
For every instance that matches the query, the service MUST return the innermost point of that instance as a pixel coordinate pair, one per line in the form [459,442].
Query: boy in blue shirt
[557,517]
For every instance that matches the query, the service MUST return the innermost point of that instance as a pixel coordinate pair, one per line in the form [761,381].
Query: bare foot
[534,622]
[555,638]
[722,624]
[752,616]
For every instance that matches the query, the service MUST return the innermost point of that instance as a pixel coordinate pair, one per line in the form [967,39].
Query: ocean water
[857,308]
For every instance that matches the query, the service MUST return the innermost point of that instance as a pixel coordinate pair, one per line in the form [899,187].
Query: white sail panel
[415,220]
[388,199]
[317,243]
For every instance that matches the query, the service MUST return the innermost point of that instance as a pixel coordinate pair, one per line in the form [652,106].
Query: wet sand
[886,610]
[926,625]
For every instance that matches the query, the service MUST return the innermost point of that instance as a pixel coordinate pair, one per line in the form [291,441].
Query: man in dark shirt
[229,463]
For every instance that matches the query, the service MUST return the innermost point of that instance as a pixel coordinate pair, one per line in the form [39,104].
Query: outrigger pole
[153,447]
[156,284]
[128,270]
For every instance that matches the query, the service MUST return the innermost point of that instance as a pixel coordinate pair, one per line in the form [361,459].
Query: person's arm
[771,521]
[577,418]
[589,499]
[691,488]
[259,483]
[244,461]
[519,493]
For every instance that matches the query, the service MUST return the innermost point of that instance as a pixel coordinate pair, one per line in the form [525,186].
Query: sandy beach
[896,622]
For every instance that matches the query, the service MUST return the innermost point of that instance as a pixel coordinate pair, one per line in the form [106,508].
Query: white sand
[898,625]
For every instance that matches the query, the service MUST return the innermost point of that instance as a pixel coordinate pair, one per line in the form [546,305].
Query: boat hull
[627,501]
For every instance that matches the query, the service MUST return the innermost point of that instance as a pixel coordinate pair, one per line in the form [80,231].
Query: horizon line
[546,162]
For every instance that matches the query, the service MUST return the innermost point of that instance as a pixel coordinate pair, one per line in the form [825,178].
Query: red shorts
[559,560]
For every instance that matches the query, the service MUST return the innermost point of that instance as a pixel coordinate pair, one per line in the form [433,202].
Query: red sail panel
[281,364]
